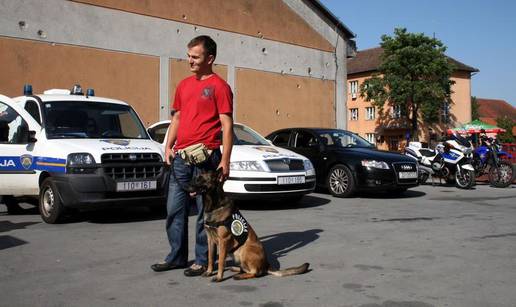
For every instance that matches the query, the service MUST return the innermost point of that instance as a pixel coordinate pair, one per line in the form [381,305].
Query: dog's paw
[207,274]
[216,279]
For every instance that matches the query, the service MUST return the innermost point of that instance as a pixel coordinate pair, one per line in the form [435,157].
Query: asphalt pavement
[435,246]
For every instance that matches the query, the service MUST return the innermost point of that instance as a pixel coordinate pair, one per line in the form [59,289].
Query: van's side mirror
[32,136]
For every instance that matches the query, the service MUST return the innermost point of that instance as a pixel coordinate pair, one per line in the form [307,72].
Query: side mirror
[32,136]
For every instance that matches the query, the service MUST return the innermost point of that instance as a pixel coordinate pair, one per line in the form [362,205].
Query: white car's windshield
[246,136]
[78,119]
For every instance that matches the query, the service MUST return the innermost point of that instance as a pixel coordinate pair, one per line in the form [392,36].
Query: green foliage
[506,123]
[474,108]
[414,74]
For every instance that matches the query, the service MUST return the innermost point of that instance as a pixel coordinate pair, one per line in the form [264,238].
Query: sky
[481,34]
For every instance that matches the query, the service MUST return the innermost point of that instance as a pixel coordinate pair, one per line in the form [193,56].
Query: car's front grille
[278,188]
[285,165]
[405,167]
[127,166]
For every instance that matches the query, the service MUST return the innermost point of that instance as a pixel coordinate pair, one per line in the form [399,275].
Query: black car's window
[281,139]
[158,133]
[340,138]
[304,140]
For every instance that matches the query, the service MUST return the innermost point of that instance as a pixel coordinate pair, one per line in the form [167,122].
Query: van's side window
[13,129]
[32,108]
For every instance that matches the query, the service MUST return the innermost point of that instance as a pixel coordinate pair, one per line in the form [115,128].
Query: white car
[258,169]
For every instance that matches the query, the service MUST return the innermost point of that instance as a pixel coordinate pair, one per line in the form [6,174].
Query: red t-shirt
[200,103]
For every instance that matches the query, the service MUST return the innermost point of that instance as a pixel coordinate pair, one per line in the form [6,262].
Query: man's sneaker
[195,270]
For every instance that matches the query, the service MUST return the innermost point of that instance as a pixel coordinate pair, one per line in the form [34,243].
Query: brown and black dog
[230,232]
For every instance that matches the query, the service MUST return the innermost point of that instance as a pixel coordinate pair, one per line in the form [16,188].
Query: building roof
[369,60]
[332,18]
[490,109]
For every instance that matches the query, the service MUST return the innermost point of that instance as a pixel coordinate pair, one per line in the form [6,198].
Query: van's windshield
[79,119]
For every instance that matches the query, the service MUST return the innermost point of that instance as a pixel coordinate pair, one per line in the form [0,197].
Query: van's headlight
[80,163]
[375,164]
[253,166]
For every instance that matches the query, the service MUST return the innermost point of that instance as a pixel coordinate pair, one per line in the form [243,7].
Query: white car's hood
[97,147]
[261,152]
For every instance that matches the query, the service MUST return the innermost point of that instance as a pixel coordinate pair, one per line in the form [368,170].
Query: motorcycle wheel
[465,179]
[423,177]
[502,176]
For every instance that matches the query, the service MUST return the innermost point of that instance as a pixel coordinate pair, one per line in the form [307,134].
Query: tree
[506,123]
[474,108]
[414,75]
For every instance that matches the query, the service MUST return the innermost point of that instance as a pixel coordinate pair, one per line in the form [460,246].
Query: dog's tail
[290,271]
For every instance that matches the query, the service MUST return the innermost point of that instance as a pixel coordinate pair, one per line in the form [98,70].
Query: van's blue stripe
[14,164]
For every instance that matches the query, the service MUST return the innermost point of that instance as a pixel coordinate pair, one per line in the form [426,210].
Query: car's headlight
[308,165]
[80,163]
[375,164]
[253,166]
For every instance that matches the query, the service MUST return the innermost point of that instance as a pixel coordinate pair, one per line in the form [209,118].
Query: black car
[345,162]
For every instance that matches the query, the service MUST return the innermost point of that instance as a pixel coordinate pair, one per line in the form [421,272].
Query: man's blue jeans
[178,207]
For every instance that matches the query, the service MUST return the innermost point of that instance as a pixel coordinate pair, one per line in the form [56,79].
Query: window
[445,113]
[281,139]
[158,133]
[353,89]
[32,108]
[396,111]
[371,138]
[353,114]
[13,129]
[304,140]
[369,113]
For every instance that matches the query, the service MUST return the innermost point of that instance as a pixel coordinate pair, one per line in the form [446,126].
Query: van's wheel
[51,208]
[12,205]
[340,181]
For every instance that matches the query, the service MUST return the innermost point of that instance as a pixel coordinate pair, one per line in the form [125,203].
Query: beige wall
[269,101]
[269,19]
[129,77]
[460,112]
[180,69]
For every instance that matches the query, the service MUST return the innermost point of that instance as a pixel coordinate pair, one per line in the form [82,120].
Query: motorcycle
[488,158]
[449,161]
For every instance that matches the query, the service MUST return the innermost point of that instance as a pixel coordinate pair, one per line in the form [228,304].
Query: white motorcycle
[449,161]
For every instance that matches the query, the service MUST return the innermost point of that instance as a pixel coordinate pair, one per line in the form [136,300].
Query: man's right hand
[169,156]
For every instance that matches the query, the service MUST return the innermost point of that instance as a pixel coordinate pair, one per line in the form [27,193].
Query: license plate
[135,186]
[291,180]
[408,175]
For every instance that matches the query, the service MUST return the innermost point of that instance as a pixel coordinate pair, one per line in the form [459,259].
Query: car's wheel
[50,207]
[340,181]
[12,205]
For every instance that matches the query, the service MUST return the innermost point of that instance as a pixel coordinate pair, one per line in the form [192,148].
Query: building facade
[281,57]
[387,128]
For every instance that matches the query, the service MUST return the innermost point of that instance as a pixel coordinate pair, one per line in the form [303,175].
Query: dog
[228,230]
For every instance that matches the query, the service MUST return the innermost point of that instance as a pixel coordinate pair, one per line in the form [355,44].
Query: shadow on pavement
[279,245]
[10,241]
[391,195]
[8,225]
[308,201]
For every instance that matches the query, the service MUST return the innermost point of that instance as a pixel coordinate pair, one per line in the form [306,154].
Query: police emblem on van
[26,161]
[117,142]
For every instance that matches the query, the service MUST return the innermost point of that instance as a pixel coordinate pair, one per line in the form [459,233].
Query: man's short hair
[207,42]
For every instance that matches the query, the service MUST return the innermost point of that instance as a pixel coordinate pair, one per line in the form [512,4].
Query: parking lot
[436,246]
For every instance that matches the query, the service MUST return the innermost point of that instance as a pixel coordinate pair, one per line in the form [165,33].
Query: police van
[74,151]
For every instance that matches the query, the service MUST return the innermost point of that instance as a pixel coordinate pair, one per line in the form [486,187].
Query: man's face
[198,60]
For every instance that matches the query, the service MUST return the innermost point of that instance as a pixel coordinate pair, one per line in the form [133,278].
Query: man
[204,107]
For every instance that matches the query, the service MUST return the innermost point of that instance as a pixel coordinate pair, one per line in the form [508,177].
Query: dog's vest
[236,224]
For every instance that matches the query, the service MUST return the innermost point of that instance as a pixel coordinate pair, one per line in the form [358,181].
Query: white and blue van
[74,151]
